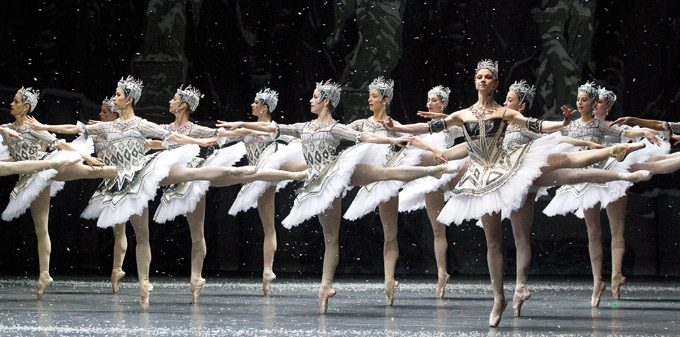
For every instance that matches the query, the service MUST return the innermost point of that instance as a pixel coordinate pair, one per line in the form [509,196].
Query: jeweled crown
[190,95]
[132,87]
[330,90]
[589,88]
[488,64]
[525,92]
[441,91]
[109,103]
[609,95]
[384,87]
[29,96]
[269,98]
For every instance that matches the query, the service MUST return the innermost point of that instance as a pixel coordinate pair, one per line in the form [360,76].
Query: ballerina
[36,185]
[589,197]
[330,174]
[496,179]
[188,198]
[266,153]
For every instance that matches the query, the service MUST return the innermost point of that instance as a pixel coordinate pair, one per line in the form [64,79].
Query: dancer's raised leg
[80,171]
[32,166]
[196,220]
[180,174]
[584,158]
[265,207]
[268,175]
[40,212]
[521,221]
[389,211]
[140,223]
[576,176]
[120,245]
[330,222]
[366,174]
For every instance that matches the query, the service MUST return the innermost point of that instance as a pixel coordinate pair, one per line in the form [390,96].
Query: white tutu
[371,195]
[21,200]
[567,200]
[4,152]
[251,192]
[155,170]
[412,196]
[225,157]
[511,194]
[333,182]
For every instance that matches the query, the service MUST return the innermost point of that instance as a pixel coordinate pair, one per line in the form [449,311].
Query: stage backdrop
[75,51]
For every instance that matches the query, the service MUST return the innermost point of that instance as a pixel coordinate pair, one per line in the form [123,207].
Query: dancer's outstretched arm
[257,126]
[542,126]
[416,128]
[67,129]
[645,123]
[432,115]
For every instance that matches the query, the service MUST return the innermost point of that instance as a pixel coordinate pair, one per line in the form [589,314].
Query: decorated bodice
[594,131]
[320,142]
[255,147]
[121,143]
[516,136]
[32,145]
[371,126]
[485,139]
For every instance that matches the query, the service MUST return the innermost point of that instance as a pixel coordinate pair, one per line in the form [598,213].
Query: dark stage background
[75,51]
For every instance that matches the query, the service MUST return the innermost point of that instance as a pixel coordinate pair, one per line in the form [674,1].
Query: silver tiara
[29,96]
[441,91]
[488,64]
[109,103]
[330,90]
[609,95]
[269,98]
[589,88]
[132,87]
[525,92]
[384,87]
[190,95]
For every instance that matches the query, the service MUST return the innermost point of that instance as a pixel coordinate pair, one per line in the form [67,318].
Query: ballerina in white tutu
[36,185]
[267,153]
[9,167]
[385,194]
[188,198]
[126,195]
[331,174]
[497,179]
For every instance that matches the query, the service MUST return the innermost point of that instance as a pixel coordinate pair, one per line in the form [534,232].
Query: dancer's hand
[432,115]
[651,137]
[387,123]
[402,141]
[11,133]
[228,125]
[675,138]
[34,124]
[620,121]
[207,142]
[93,162]
[439,157]
[566,115]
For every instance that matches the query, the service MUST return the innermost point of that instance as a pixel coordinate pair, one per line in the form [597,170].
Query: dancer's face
[17,106]
[601,109]
[376,102]
[174,104]
[256,107]
[106,115]
[485,82]
[316,105]
[512,101]
[584,103]
[119,99]
[435,104]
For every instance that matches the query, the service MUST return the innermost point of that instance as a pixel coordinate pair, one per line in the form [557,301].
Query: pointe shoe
[145,289]
[621,151]
[617,281]
[116,276]
[441,284]
[44,281]
[521,295]
[196,285]
[267,277]
[300,176]
[495,316]
[323,299]
[389,291]
[638,176]
[442,169]
[597,293]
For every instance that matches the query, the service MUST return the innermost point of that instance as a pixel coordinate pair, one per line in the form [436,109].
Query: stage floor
[235,307]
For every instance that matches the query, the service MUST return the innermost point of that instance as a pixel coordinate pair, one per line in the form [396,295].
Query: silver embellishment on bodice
[29,147]
[483,148]
[514,137]
[589,131]
[319,150]
[255,147]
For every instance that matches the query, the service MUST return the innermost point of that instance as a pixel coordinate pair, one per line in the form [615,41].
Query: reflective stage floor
[235,307]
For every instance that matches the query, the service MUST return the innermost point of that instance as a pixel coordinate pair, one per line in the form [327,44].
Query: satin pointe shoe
[197,283]
[324,295]
[443,277]
[267,277]
[521,295]
[617,281]
[598,289]
[116,276]
[497,313]
[44,281]
[621,151]
[145,289]
[390,285]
